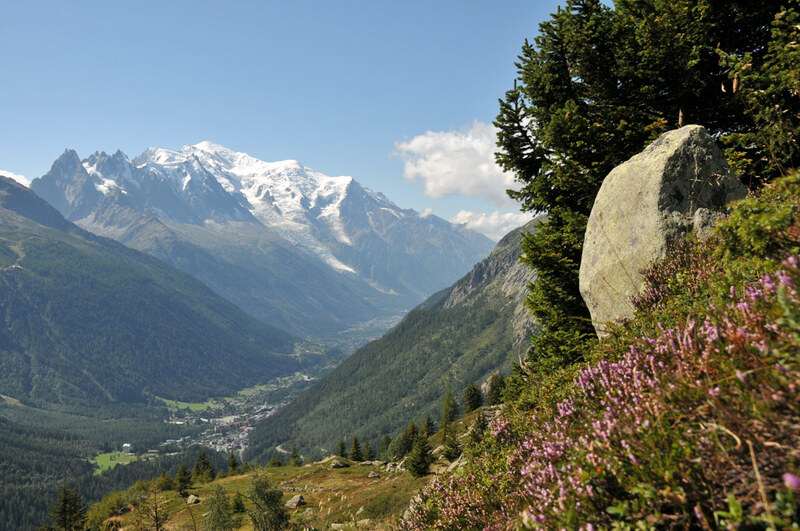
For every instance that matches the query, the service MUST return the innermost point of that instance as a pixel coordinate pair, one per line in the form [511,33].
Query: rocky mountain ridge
[313,254]
[462,334]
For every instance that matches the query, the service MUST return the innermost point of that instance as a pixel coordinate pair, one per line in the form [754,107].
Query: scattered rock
[309,513]
[678,183]
[192,499]
[337,526]
[458,463]
[360,510]
[373,475]
[296,502]
[338,464]
[366,523]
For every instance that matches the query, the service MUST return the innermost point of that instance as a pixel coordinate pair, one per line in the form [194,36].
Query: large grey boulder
[678,183]
[296,502]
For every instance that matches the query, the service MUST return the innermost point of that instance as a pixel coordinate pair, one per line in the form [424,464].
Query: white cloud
[457,163]
[21,179]
[494,225]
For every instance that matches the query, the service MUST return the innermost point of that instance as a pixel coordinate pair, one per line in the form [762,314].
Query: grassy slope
[686,416]
[335,496]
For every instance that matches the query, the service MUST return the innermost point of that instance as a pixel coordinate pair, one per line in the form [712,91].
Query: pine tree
[182,480]
[383,451]
[473,398]
[477,429]
[496,387]
[420,458]
[275,461]
[68,510]
[233,464]
[598,84]
[153,513]
[452,448]
[428,427]
[368,453]
[237,504]
[355,451]
[203,470]
[219,516]
[412,431]
[400,445]
[342,448]
[449,410]
[294,457]
[268,513]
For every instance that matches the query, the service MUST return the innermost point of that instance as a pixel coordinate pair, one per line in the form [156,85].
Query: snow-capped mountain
[313,254]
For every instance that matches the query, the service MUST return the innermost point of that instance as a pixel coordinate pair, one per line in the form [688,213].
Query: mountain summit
[312,254]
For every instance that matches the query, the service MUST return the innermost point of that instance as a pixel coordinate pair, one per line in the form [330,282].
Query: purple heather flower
[715,391]
[697,513]
[742,376]
[792,481]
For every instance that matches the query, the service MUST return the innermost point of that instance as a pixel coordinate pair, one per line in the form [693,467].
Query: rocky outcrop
[681,182]
[502,271]
[296,502]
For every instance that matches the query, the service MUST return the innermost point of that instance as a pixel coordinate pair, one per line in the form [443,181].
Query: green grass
[109,460]
[211,403]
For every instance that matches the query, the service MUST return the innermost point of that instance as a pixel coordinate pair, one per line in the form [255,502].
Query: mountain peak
[206,145]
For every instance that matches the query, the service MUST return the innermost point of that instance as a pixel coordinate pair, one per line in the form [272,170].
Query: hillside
[88,321]
[358,495]
[315,255]
[463,334]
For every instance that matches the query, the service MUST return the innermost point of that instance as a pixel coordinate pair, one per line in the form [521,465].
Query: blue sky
[397,94]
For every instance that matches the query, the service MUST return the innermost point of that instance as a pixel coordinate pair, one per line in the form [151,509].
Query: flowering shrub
[695,425]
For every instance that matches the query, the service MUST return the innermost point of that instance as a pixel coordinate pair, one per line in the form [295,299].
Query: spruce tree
[219,516]
[268,512]
[153,513]
[412,431]
[355,451]
[473,398]
[67,510]
[596,86]
[420,458]
[182,480]
[383,451]
[203,470]
[237,504]
[342,448]
[428,427]
[233,464]
[368,453]
[496,387]
[449,410]
[294,457]
[477,429]
[452,448]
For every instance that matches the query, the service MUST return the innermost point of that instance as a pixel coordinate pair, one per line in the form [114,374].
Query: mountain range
[317,256]
[86,320]
[460,335]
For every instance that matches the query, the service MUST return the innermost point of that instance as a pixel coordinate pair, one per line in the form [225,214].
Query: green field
[110,460]
[211,403]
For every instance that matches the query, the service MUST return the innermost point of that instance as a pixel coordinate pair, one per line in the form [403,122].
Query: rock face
[679,183]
